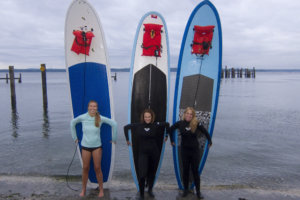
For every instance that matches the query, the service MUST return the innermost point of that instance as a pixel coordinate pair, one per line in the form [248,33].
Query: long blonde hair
[194,122]
[97,116]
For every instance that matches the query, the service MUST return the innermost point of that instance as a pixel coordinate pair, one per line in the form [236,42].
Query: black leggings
[190,160]
[147,167]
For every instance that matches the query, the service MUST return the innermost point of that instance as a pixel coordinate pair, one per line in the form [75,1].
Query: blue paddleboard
[149,81]
[198,77]
[89,76]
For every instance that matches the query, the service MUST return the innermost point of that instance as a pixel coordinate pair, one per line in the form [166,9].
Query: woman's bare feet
[101,193]
[82,194]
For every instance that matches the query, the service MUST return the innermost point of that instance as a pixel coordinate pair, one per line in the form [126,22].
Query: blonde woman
[190,129]
[91,142]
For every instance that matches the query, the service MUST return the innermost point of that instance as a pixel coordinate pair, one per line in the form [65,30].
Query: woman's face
[92,109]
[147,117]
[188,115]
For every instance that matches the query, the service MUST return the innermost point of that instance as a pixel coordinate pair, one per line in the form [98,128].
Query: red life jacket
[152,40]
[82,42]
[202,39]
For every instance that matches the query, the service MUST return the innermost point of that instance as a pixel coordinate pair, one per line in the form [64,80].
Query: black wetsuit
[190,153]
[148,150]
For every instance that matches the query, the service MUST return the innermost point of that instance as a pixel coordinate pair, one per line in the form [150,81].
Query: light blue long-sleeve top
[91,134]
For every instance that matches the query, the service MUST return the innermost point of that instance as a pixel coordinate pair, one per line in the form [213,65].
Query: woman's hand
[76,141]
[113,142]
[128,143]
[173,143]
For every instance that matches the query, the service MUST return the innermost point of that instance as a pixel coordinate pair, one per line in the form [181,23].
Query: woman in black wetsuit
[190,129]
[148,151]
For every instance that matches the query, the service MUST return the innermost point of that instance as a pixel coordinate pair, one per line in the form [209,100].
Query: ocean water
[255,141]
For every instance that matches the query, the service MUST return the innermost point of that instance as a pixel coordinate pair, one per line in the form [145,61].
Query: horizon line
[128,69]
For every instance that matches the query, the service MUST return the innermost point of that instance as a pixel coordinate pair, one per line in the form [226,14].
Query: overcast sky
[256,33]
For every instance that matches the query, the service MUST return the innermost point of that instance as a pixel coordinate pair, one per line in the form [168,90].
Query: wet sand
[55,188]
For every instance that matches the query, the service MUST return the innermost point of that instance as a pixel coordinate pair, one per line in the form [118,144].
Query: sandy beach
[36,188]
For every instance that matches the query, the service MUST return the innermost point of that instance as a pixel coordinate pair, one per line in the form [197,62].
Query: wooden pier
[11,78]
[7,78]
[114,76]
[238,73]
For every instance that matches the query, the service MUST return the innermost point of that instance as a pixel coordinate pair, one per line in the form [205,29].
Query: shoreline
[52,188]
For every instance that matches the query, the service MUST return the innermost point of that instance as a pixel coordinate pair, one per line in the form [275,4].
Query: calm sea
[255,142]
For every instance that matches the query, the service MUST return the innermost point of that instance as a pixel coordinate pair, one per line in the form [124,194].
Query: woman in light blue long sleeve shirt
[91,142]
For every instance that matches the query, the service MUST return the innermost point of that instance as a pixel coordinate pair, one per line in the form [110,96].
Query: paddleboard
[149,81]
[89,76]
[198,77]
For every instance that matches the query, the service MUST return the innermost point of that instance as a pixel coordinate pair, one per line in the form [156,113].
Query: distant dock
[238,73]
[7,78]
[114,76]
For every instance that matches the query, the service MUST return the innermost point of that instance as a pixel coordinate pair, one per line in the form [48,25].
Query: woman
[91,142]
[148,154]
[190,129]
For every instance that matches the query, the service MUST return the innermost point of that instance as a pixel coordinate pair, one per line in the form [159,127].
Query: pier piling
[238,72]
[20,78]
[114,76]
[44,87]
[232,73]
[12,88]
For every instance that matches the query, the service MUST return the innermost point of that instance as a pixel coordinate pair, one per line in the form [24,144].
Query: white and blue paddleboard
[89,76]
[198,77]
[149,82]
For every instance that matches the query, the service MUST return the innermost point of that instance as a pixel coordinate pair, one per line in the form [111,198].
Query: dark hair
[148,110]
[97,116]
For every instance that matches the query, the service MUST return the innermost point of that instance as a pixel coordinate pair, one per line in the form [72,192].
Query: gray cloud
[262,34]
